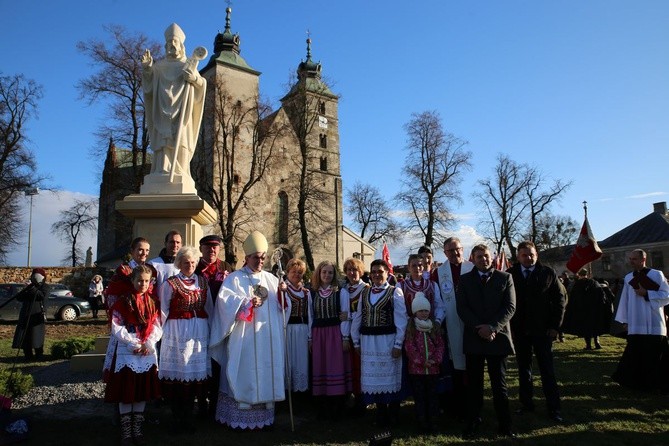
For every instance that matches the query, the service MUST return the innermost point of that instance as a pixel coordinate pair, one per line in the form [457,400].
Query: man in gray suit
[486,301]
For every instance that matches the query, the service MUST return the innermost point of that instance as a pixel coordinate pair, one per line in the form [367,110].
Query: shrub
[16,383]
[67,348]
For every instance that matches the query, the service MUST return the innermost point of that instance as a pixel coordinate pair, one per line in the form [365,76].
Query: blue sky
[578,88]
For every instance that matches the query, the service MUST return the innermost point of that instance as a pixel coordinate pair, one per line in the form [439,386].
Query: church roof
[652,228]
[227,50]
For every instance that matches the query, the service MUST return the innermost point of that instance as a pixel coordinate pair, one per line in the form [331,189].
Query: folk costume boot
[137,426]
[126,429]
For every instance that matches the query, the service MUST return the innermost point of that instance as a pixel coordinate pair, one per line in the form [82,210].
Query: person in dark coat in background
[540,304]
[30,330]
[589,312]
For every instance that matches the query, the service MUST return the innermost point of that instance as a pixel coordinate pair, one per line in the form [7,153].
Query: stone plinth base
[157,214]
[157,183]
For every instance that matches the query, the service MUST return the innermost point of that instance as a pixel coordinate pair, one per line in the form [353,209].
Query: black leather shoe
[557,417]
[508,433]
[472,428]
[524,409]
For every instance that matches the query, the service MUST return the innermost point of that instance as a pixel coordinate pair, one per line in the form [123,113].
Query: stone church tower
[275,171]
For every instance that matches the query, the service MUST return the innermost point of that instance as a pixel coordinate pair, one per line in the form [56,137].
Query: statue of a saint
[174,100]
[89,256]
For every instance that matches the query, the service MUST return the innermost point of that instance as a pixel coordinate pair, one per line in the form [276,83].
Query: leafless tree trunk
[79,218]
[432,169]
[228,167]
[18,168]
[539,199]
[503,196]
[371,214]
[118,82]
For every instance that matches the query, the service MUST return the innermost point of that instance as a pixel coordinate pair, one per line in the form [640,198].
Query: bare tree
[118,82]
[539,198]
[554,231]
[81,217]
[18,168]
[433,167]
[505,201]
[229,166]
[371,213]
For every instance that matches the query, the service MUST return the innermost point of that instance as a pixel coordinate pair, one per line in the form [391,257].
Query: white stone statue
[174,100]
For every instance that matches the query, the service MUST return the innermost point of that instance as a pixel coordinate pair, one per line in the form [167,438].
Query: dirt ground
[58,330]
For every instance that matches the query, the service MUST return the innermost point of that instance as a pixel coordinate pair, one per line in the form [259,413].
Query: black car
[58,306]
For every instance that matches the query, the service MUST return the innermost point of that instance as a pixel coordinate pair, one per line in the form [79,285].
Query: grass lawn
[597,412]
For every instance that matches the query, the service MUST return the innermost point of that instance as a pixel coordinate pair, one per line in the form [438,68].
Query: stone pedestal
[157,214]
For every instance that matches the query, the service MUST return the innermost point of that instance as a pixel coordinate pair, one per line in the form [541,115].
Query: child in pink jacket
[424,348]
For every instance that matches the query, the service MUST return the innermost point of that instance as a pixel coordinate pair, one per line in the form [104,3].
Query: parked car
[61,304]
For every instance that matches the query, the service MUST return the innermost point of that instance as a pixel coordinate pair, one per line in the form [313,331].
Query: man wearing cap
[164,263]
[30,330]
[214,271]
[174,102]
[247,339]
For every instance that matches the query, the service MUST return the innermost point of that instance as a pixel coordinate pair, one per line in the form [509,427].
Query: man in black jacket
[540,305]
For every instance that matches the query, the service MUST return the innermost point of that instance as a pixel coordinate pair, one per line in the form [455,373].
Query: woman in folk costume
[350,297]
[331,364]
[185,306]
[424,347]
[416,282]
[131,364]
[298,326]
[247,339]
[377,331]
[121,282]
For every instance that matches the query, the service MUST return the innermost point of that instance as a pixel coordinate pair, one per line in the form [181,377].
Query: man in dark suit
[486,302]
[540,305]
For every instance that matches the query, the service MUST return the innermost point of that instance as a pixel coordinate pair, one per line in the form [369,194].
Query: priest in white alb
[247,339]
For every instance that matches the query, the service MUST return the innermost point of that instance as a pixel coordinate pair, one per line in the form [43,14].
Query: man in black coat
[486,301]
[540,305]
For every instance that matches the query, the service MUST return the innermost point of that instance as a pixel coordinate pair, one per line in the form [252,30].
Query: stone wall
[76,279]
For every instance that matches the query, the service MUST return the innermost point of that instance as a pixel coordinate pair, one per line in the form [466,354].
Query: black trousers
[542,347]
[425,395]
[497,375]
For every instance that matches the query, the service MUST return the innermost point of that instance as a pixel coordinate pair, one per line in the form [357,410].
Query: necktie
[484,279]
[376,290]
[527,273]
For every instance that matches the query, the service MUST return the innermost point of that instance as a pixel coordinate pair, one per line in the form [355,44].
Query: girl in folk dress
[350,296]
[298,327]
[131,362]
[424,347]
[331,365]
[185,306]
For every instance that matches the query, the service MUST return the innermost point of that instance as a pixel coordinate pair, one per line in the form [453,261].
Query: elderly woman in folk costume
[298,326]
[247,339]
[131,362]
[185,306]
[350,296]
[377,331]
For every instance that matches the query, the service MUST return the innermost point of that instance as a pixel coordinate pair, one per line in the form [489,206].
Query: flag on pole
[585,251]
[385,255]
[500,262]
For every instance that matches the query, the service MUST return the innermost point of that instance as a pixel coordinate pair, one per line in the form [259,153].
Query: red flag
[585,251]
[500,262]
[386,256]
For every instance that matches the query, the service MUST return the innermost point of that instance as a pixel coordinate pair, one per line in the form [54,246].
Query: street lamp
[30,193]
